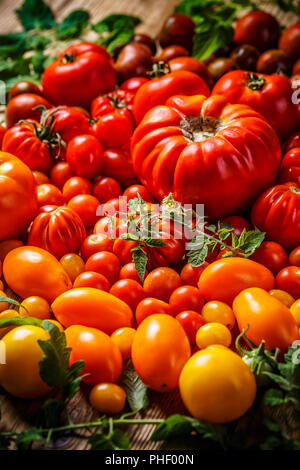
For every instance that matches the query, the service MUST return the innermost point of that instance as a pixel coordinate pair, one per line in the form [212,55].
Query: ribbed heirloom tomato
[206,151]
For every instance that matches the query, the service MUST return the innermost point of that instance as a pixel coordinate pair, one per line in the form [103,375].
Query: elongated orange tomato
[29,270]
[267,317]
[159,351]
[225,278]
[92,307]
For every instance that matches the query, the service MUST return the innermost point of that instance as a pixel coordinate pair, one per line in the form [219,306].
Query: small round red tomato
[245,56]
[94,243]
[294,257]
[190,275]
[171,52]
[293,142]
[135,59]
[113,129]
[85,155]
[238,224]
[86,206]
[220,66]
[117,164]
[290,167]
[274,61]
[48,194]
[22,107]
[186,298]
[193,65]
[151,306]
[138,189]
[178,29]
[107,398]
[161,282]
[128,290]
[288,279]
[128,271]
[24,86]
[133,84]
[117,100]
[68,122]
[290,41]
[191,322]
[60,173]
[105,263]
[76,185]
[272,255]
[92,279]
[73,264]
[40,177]
[257,28]
[106,188]
[102,357]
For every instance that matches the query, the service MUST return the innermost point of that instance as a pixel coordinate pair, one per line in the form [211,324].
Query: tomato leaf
[25,439]
[35,14]
[140,259]
[50,413]
[154,242]
[197,257]
[20,321]
[116,30]
[117,441]
[73,24]
[12,44]
[273,397]
[135,389]
[210,36]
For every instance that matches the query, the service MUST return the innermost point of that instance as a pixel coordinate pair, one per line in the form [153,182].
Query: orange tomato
[35,306]
[73,265]
[108,398]
[160,349]
[123,338]
[37,273]
[9,313]
[93,308]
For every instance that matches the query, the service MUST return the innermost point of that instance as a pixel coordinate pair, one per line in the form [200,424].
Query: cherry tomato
[135,59]
[288,279]
[213,333]
[128,290]
[92,279]
[283,296]
[117,164]
[190,321]
[218,67]
[128,271]
[193,65]
[60,173]
[245,56]
[257,28]
[177,30]
[190,274]
[49,194]
[216,385]
[22,107]
[40,177]
[272,255]
[133,191]
[94,243]
[218,312]
[293,142]
[123,338]
[68,121]
[24,86]
[8,245]
[113,129]
[186,298]
[274,61]
[290,41]
[295,311]
[150,306]
[35,306]
[107,398]
[161,282]
[75,186]
[105,263]
[103,360]
[171,52]
[72,264]
[106,188]
[86,206]
[85,155]
[145,39]
[293,259]
[133,84]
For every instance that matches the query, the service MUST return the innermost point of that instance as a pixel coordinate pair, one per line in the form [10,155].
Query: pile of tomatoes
[209,133]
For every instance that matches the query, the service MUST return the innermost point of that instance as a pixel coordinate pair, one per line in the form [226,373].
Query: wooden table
[19,414]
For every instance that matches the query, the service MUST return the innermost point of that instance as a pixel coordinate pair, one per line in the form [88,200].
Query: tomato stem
[255,82]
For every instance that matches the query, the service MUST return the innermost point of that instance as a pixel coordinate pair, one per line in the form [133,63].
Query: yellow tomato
[73,265]
[108,398]
[123,337]
[216,385]
[4,315]
[218,312]
[295,311]
[283,296]
[35,306]
[213,333]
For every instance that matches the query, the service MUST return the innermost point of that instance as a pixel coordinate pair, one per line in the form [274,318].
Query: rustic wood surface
[20,414]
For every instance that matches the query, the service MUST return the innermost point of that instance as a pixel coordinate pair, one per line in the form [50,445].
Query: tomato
[92,279]
[190,274]
[73,265]
[277,212]
[107,398]
[272,255]
[178,29]
[293,259]
[258,28]
[193,65]
[161,282]
[173,51]
[128,290]
[220,66]
[133,84]
[274,61]
[117,99]
[117,164]
[106,263]
[269,95]
[267,317]
[288,279]
[128,271]
[86,206]
[39,273]
[160,349]
[213,333]
[290,41]
[290,167]
[190,321]
[145,39]
[48,194]
[201,162]
[60,173]
[27,142]
[113,129]
[94,243]
[35,306]
[2,133]
[106,188]
[60,231]
[24,86]
[93,308]
[75,186]
[225,278]
[135,59]
[123,338]
[103,360]
[68,122]
[245,56]
[292,142]
[150,306]
[17,210]
[283,296]
[218,312]
[22,107]
[138,190]
[85,155]
[7,245]
[80,72]
[216,385]
[157,91]
[238,224]
[8,313]
[295,311]
[186,298]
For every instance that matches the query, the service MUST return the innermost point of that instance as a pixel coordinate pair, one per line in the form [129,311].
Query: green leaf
[12,301]
[26,438]
[20,321]
[209,37]
[120,29]
[117,441]
[140,259]
[135,389]
[73,24]
[197,257]
[250,241]
[272,424]
[154,242]
[50,413]
[12,44]
[35,14]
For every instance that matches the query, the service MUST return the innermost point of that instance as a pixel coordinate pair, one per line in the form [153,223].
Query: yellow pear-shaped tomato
[29,270]
[216,385]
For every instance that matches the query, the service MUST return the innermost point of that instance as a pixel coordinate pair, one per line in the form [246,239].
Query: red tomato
[85,155]
[269,95]
[106,263]
[75,186]
[179,30]
[238,224]
[186,298]
[118,99]
[80,72]
[257,28]
[128,271]
[224,279]
[102,357]
[24,86]
[86,206]
[290,41]
[59,232]
[94,243]
[294,257]
[151,306]
[113,129]
[133,84]
[18,200]
[156,92]
[40,177]
[161,282]
[277,212]
[192,65]
[2,132]
[106,188]
[128,290]
[92,279]
[272,255]
[191,322]
[117,164]
[60,173]
[190,275]
[22,107]
[171,52]
[68,122]
[290,167]
[201,161]
[132,192]
[293,141]
[48,194]
[288,279]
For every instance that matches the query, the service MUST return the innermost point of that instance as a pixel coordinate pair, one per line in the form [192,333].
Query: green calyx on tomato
[67,58]
[45,132]
[198,128]
[160,69]
[255,82]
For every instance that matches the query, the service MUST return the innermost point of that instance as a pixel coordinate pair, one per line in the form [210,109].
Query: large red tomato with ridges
[206,151]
